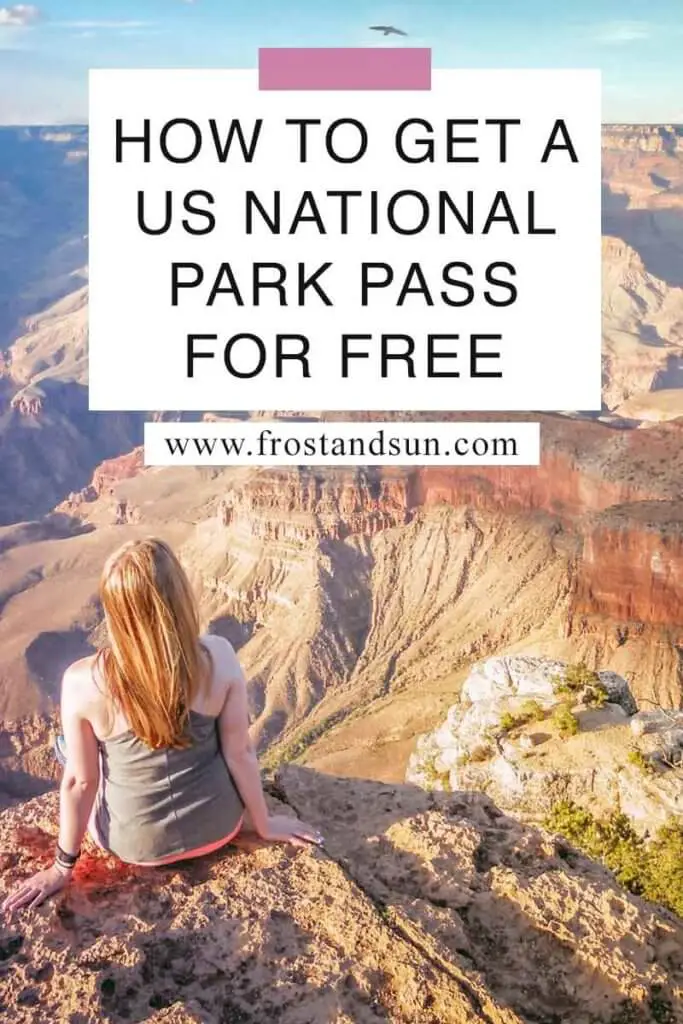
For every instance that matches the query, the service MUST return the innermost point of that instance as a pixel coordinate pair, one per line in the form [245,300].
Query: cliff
[643,138]
[422,908]
[50,440]
[642,327]
[43,219]
[309,506]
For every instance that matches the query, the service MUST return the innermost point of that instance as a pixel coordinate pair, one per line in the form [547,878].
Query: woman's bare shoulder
[80,680]
[216,643]
[223,656]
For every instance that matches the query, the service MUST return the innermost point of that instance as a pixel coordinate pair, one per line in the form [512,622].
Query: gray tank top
[158,803]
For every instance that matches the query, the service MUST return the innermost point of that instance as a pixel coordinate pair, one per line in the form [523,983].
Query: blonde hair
[153,666]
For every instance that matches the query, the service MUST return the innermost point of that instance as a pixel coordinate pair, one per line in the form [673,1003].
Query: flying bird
[387,30]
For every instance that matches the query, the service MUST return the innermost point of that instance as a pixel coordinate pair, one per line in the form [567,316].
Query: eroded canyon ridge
[358,599]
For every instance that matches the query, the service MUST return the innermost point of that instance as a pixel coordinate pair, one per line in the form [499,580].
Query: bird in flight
[387,30]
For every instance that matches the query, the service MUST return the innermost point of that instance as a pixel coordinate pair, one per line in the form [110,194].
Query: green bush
[637,757]
[664,883]
[530,711]
[579,675]
[533,711]
[595,695]
[653,870]
[566,723]
[433,776]
[508,721]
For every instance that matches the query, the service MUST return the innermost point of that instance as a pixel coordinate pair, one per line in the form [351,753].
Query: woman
[159,764]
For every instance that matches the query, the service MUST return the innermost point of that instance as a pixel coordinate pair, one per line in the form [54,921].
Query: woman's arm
[240,757]
[76,796]
[82,771]
[238,750]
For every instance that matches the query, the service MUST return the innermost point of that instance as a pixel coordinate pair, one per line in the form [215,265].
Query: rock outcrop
[28,402]
[421,909]
[505,737]
[643,138]
[642,328]
[104,482]
[308,505]
[43,219]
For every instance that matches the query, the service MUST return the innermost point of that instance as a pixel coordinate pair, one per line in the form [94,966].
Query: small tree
[578,675]
[653,870]
[566,723]
[508,721]
[533,711]
[637,758]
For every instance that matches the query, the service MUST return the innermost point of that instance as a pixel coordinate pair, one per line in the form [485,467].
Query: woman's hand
[35,890]
[281,829]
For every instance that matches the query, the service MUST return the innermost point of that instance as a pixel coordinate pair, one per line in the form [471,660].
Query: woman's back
[160,803]
[109,720]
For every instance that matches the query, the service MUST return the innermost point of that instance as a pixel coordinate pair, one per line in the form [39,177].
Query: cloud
[616,33]
[93,26]
[19,15]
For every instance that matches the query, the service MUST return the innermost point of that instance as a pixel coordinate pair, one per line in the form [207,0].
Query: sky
[46,48]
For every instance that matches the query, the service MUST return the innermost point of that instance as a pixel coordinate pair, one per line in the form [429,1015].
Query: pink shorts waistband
[198,852]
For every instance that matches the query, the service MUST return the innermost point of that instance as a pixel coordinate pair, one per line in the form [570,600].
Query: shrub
[433,776]
[566,723]
[664,882]
[533,711]
[508,721]
[530,711]
[595,695]
[654,870]
[637,757]
[579,675]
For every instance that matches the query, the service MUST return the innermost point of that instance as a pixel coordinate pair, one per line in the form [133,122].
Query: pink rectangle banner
[356,68]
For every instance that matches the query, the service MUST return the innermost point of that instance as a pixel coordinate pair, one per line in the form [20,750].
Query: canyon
[358,599]
[363,604]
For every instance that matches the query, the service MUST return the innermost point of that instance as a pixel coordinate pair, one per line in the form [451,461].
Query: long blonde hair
[153,665]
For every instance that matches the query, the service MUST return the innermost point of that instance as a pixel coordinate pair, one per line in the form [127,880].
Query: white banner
[295,443]
[437,250]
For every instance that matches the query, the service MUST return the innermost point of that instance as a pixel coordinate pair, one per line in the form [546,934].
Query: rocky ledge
[532,731]
[424,907]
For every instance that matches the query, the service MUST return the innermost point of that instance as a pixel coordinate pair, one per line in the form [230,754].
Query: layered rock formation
[643,138]
[50,441]
[642,170]
[420,908]
[43,219]
[642,329]
[359,598]
[313,506]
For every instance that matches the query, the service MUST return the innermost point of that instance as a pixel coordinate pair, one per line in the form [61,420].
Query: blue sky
[46,48]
